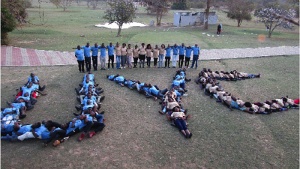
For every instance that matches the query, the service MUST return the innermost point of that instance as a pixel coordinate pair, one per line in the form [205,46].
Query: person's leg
[82,65]
[95,62]
[79,65]
[118,61]
[166,62]
[109,60]
[193,62]
[196,63]
[143,61]
[26,135]
[155,62]
[98,126]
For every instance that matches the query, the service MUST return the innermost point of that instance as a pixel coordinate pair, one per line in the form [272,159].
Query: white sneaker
[185,94]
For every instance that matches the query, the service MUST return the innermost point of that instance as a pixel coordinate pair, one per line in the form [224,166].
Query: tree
[12,13]
[62,3]
[121,12]
[159,7]
[274,16]
[239,10]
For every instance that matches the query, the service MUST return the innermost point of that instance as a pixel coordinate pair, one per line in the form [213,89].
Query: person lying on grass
[36,82]
[179,118]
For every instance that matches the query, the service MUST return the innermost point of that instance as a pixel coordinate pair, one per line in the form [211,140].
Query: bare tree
[208,5]
[62,3]
[274,16]
[159,7]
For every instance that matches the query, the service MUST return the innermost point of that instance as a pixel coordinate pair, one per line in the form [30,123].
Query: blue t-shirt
[175,50]
[40,130]
[168,52]
[110,50]
[102,51]
[120,79]
[110,77]
[154,91]
[18,105]
[196,50]
[79,55]
[181,50]
[188,52]
[176,83]
[78,123]
[26,90]
[34,79]
[95,50]
[87,51]
[24,129]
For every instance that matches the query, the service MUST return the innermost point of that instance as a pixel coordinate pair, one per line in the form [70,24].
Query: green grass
[137,136]
[61,31]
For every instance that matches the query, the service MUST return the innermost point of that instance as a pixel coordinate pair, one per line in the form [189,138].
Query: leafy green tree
[274,16]
[120,11]
[12,13]
[62,3]
[239,10]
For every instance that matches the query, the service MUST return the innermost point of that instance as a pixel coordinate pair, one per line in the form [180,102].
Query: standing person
[148,54]
[188,52]
[111,56]
[181,55]
[87,56]
[168,56]
[219,28]
[80,58]
[118,55]
[161,55]
[135,55]
[175,55]
[102,56]
[123,55]
[129,56]
[155,55]
[196,52]
[95,50]
[142,55]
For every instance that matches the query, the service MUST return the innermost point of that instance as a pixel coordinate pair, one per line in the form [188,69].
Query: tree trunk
[270,30]
[207,14]
[239,22]
[119,30]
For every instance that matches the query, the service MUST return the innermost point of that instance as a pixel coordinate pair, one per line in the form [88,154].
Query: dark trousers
[98,126]
[167,61]
[111,59]
[180,124]
[195,61]
[142,60]
[81,65]
[148,61]
[155,61]
[187,62]
[180,61]
[95,62]
[135,60]
[57,135]
[88,63]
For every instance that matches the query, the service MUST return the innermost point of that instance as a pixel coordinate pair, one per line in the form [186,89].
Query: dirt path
[15,56]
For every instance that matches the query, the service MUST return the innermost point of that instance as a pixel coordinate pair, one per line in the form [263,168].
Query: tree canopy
[274,16]
[121,12]
[239,10]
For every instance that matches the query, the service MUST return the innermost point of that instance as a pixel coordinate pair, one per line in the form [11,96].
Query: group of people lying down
[208,82]
[89,121]
[170,98]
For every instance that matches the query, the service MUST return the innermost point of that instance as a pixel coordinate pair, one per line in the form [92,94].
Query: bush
[197,4]
[179,6]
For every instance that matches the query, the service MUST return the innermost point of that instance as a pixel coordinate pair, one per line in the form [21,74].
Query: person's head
[143,44]
[110,44]
[87,44]
[32,74]
[248,104]
[169,45]
[176,109]
[156,46]
[89,95]
[175,44]
[284,99]
[148,46]
[82,117]
[78,47]
[16,126]
[123,45]
[107,76]
[196,45]
[129,46]
[162,46]
[96,44]
[117,44]
[136,46]
[92,113]
[36,125]
[103,45]
[182,44]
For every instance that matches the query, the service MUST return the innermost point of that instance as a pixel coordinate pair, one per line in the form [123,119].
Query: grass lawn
[52,29]
[137,136]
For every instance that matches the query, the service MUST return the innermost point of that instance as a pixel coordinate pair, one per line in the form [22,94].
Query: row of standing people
[125,53]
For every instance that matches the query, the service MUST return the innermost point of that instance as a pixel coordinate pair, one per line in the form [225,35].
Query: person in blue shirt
[196,52]
[168,56]
[111,55]
[36,81]
[188,52]
[80,58]
[175,49]
[95,50]
[181,55]
[102,56]
[87,56]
